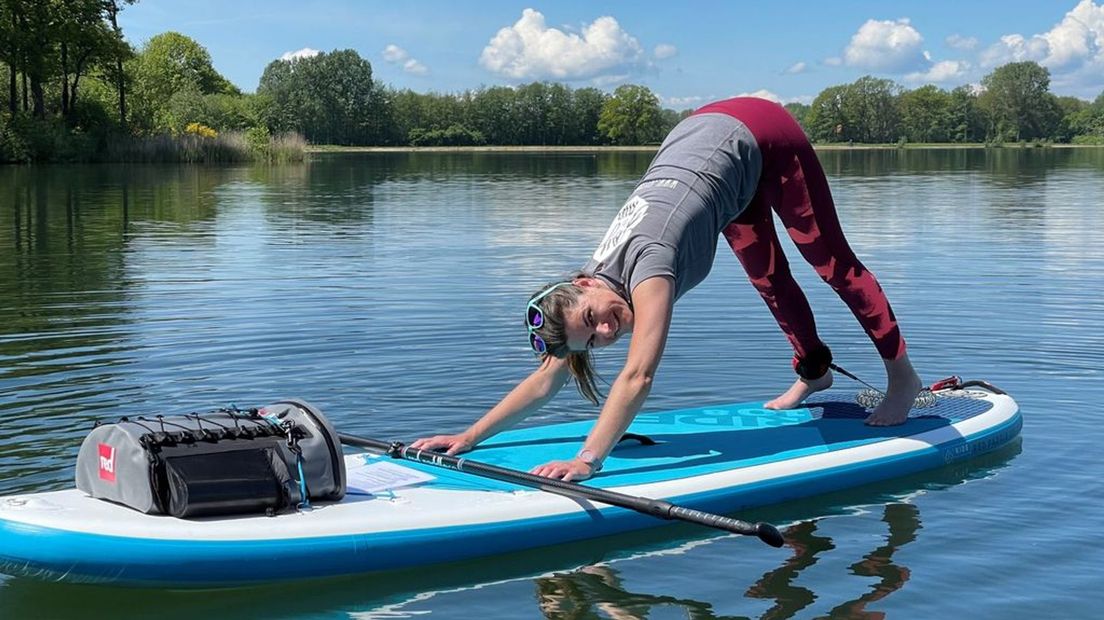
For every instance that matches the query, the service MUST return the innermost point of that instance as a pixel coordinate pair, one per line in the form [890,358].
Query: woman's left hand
[568,471]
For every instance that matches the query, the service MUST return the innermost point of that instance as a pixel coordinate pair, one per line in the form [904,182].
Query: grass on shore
[227,147]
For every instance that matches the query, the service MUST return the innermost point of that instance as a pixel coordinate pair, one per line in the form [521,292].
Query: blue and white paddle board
[722,458]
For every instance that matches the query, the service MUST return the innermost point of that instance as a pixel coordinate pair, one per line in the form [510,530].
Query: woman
[720,171]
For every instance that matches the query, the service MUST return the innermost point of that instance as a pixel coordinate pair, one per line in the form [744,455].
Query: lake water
[388,289]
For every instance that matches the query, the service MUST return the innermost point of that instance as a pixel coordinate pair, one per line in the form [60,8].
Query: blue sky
[687,52]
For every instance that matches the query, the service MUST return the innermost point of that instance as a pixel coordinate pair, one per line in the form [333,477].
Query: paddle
[656,508]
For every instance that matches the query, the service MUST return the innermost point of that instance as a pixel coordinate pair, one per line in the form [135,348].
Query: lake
[389,288]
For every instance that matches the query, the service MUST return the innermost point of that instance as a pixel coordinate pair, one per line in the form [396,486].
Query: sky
[688,53]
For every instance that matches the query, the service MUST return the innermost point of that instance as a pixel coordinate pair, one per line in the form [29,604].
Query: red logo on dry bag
[107,462]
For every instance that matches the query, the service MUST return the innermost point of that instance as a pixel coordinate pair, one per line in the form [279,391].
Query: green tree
[669,118]
[631,116]
[967,120]
[825,121]
[532,113]
[119,53]
[171,73]
[329,98]
[800,112]
[491,112]
[31,43]
[587,104]
[926,114]
[1072,109]
[1018,102]
[561,122]
[1086,122]
[863,111]
[871,105]
[83,38]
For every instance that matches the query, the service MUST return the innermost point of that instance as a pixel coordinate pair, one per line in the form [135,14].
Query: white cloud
[394,53]
[664,50]
[306,52]
[885,46]
[531,50]
[415,67]
[962,43]
[1076,40]
[1073,50]
[399,57]
[943,71]
[794,69]
[1014,48]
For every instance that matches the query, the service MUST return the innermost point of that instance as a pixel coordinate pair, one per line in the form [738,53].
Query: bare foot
[799,391]
[903,386]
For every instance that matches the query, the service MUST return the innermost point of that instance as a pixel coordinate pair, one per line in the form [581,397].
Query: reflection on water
[778,585]
[596,591]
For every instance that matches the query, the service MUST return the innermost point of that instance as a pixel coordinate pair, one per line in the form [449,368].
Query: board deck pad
[704,440]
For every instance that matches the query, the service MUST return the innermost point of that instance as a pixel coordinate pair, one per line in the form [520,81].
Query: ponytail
[581,367]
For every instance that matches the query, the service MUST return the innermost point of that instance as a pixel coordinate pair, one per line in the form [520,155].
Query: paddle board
[397,514]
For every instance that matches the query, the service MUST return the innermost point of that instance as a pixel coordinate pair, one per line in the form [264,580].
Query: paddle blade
[769,534]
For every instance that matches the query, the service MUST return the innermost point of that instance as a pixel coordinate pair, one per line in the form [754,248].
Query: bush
[279,148]
[259,141]
[13,146]
[201,130]
[454,135]
[1090,139]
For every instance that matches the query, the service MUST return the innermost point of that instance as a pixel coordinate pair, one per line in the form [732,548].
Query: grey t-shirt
[703,176]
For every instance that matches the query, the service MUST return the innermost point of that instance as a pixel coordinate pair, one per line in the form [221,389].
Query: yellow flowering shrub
[200,130]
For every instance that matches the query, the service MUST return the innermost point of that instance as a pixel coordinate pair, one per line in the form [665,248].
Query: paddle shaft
[656,508]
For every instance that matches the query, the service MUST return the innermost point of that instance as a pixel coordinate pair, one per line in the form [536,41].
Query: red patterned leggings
[793,184]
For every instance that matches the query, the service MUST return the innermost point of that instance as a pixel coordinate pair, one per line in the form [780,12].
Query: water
[388,290]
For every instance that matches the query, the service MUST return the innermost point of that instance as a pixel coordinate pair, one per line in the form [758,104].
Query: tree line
[1014,104]
[75,87]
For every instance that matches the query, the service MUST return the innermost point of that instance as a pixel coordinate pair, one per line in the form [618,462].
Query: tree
[871,105]
[670,118]
[32,46]
[967,120]
[329,98]
[1076,118]
[800,112]
[120,53]
[587,107]
[863,111]
[532,113]
[172,66]
[491,112]
[1018,102]
[83,38]
[631,116]
[825,121]
[926,114]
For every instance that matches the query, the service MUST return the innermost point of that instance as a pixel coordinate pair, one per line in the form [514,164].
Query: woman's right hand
[450,444]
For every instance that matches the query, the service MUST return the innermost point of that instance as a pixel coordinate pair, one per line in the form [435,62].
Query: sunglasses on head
[534,319]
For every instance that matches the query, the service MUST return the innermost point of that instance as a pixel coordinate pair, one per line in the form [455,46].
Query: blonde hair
[554,307]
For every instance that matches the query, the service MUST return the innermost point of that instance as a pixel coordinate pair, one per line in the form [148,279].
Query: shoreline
[322,149]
